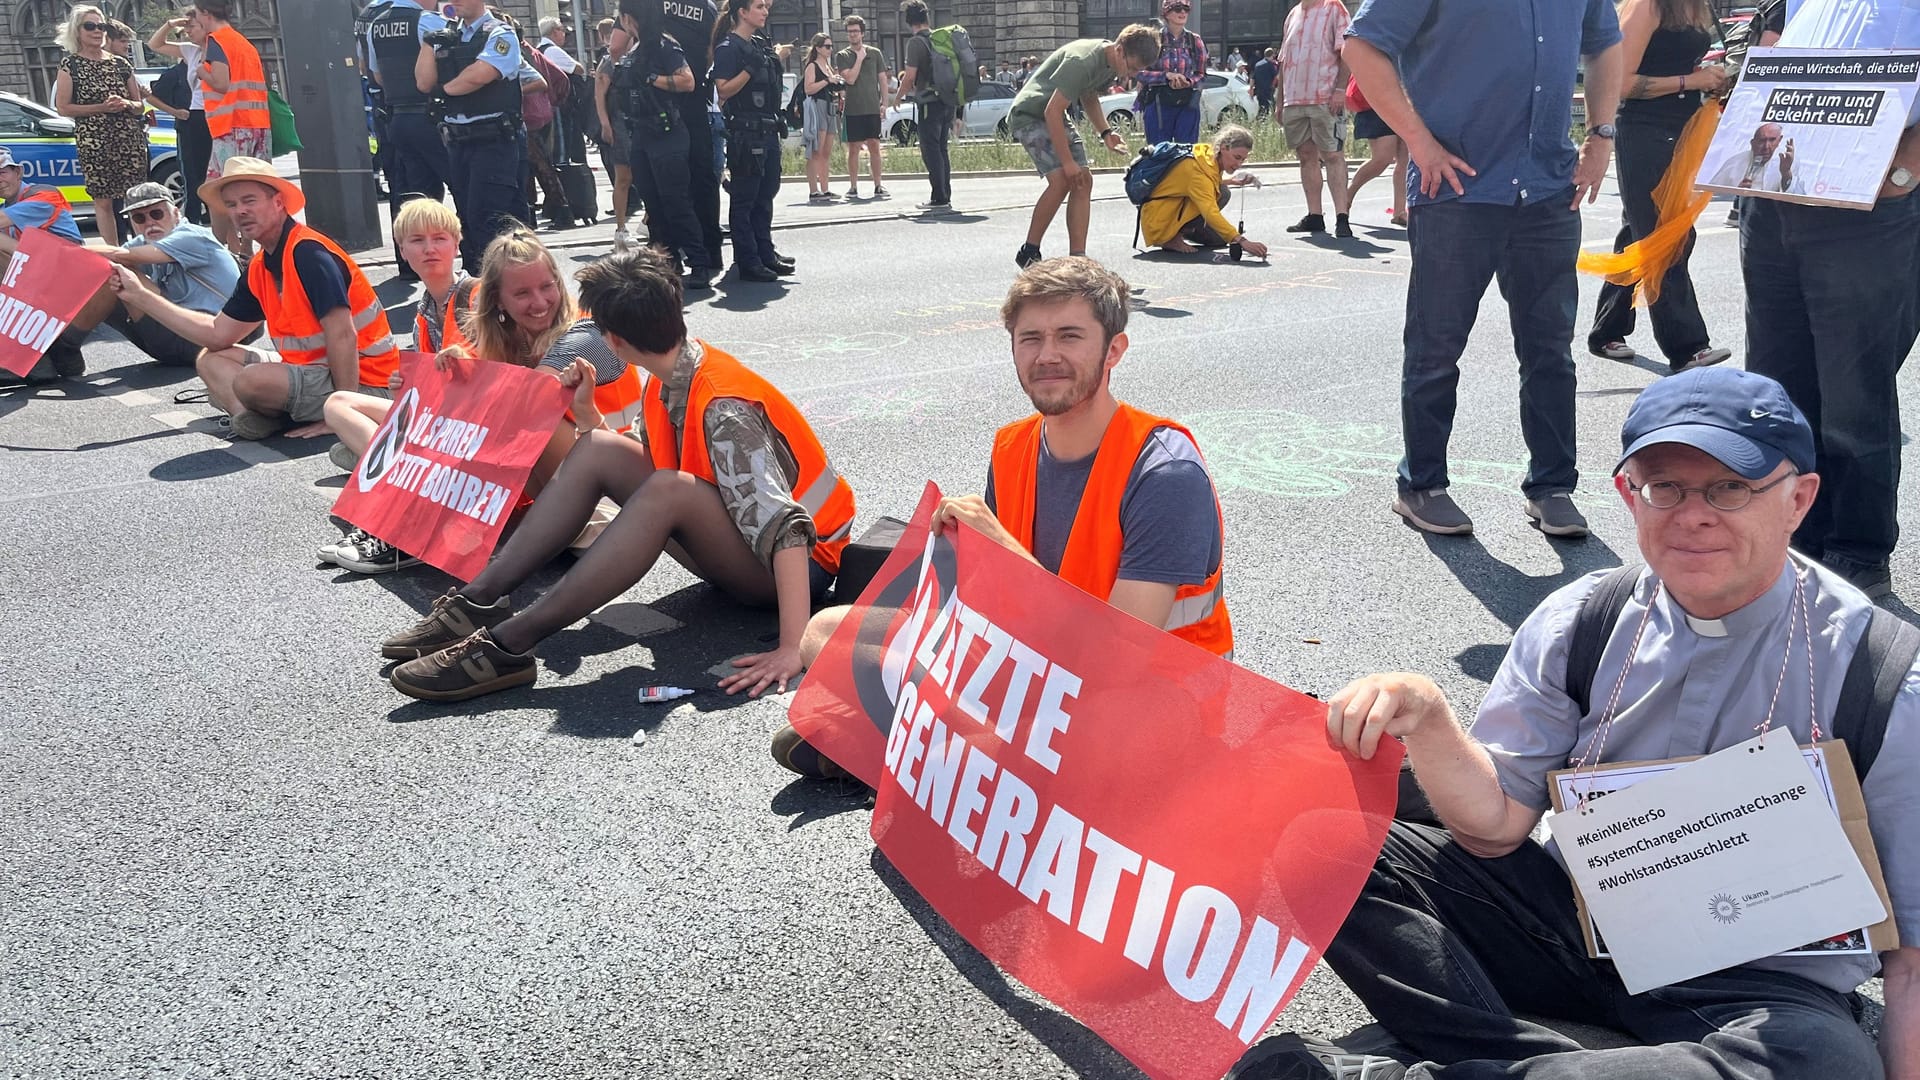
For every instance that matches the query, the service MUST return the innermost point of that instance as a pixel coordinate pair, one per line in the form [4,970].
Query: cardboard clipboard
[1848,801]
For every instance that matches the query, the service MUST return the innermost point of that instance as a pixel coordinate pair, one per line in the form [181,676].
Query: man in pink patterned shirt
[1313,83]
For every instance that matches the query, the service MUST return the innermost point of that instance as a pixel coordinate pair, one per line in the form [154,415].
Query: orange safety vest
[295,329]
[620,400]
[244,105]
[825,496]
[459,303]
[1092,558]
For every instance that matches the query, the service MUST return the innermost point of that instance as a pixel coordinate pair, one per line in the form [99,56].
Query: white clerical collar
[1707,627]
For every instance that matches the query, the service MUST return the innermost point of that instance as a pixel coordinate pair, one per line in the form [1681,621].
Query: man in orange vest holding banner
[329,330]
[236,98]
[1112,499]
[41,206]
[730,475]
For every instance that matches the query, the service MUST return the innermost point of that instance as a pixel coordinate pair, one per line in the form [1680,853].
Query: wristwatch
[1903,178]
[1602,131]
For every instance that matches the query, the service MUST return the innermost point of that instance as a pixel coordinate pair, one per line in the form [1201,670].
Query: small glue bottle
[654,695]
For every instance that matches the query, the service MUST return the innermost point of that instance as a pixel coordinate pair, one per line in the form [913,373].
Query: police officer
[412,155]
[658,138]
[474,70]
[748,75]
[691,23]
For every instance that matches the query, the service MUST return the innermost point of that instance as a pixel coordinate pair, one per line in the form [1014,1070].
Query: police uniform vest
[757,106]
[647,107]
[396,42]
[1094,545]
[500,96]
[244,105]
[691,24]
[825,496]
[294,327]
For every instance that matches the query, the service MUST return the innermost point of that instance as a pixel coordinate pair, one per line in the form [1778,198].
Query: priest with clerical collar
[1463,929]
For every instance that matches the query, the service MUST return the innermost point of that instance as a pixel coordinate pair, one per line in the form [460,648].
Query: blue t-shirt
[1493,80]
[1169,519]
[31,213]
[202,274]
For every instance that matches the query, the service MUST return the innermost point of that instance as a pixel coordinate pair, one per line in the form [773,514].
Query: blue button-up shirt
[1493,80]
[502,53]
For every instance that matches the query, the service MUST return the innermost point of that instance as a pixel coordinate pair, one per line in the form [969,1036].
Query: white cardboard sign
[1720,862]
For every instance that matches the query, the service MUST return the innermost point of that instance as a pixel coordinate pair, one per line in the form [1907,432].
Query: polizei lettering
[1010,705]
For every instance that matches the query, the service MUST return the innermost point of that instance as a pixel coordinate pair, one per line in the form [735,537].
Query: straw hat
[255,171]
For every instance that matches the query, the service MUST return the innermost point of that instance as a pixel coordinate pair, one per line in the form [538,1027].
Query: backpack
[174,87]
[1874,676]
[956,67]
[1151,167]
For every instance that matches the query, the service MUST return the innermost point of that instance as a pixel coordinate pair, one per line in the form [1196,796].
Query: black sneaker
[796,755]
[1312,223]
[1341,227]
[756,272]
[1292,1057]
[1027,256]
[68,361]
[372,555]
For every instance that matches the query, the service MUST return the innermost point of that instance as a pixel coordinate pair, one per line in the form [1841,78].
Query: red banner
[45,285]
[1155,839]
[445,469]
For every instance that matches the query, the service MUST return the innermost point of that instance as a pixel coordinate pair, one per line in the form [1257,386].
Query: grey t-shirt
[202,274]
[1169,520]
[1700,685]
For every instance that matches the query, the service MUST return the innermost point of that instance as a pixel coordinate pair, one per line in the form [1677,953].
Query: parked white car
[986,116]
[1224,99]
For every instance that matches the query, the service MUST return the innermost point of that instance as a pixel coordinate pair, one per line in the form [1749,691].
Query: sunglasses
[93,27]
[1181,8]
[141,217]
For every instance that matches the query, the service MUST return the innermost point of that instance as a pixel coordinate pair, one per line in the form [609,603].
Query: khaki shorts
[307,385]
[1315,124]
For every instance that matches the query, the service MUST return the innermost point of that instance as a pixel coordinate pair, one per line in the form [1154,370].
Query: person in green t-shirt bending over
[1076,73]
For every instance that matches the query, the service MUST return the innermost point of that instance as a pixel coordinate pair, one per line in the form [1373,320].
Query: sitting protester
[1462,928]
[41,206]
[1183,213]
[182,262]
[329,330]
[520,313]
[730,479]
[1113,499]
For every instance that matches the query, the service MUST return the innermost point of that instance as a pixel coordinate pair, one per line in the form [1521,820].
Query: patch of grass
[1003,155]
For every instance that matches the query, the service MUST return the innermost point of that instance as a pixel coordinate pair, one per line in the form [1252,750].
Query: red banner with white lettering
[446,467]
[1155,839]
[45,285]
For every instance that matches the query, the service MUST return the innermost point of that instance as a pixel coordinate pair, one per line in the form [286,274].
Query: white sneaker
[1706,357]
[622,241]
[351,540]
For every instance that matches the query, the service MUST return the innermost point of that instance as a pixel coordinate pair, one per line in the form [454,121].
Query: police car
[41,140]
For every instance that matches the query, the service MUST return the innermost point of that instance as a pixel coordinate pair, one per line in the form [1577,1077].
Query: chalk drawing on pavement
[1296,456]
[810,348]
[902,404]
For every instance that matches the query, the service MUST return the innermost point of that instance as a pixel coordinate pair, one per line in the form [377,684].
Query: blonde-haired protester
[98,90]
[1184,213]
[521,313]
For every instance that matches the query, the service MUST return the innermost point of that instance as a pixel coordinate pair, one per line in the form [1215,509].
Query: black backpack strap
[1591,629]
[1879,668]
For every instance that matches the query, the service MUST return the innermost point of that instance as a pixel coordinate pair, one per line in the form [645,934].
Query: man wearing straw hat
[329,330]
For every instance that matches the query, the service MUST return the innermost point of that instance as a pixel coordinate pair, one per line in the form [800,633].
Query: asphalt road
[228,848]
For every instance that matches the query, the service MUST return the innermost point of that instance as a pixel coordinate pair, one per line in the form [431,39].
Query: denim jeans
[660,164]
[1445,947]
[1644,150]
[487,178]
[750,213]
[936,129]
[1832,310]
[1457,249]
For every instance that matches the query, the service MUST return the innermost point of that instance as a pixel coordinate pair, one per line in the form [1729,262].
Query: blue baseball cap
[1746,421]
